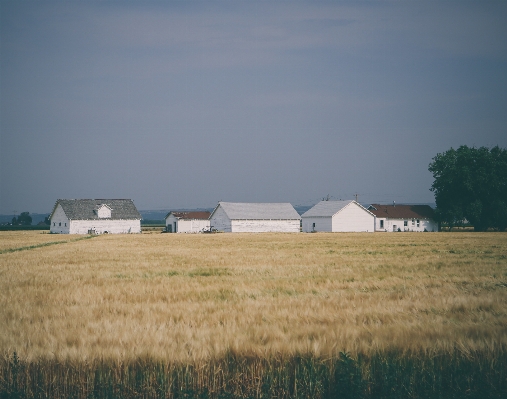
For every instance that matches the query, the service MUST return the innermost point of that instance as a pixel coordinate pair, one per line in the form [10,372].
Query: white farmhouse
[95,216]
[403,217]
[187,222]
[338,216]
[237,217]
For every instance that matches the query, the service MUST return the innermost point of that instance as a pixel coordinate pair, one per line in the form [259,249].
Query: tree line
[24,219]
[470,185]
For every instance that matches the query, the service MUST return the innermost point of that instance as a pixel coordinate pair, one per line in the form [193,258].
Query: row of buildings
[100,216]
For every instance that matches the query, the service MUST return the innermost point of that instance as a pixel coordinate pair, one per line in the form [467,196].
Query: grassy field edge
[382,375]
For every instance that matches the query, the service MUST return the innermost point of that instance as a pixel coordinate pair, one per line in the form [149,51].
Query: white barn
[338,216]
[403,218]
[237,217]
[95,216]
[187,222]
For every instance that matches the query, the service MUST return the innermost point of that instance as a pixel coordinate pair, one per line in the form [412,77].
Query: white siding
[220,221]
[172,221]
[104,212]
[102,225]
[192,225]
[391,225]
[265,226]
[353,218]
[59,221]
[322,224]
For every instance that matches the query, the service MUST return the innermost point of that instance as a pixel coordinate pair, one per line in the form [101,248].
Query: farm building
[338,216]
[238,217]
[187,222]
[403,217]
[95,216]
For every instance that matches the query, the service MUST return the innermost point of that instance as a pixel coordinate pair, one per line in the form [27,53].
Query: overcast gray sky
[181,104]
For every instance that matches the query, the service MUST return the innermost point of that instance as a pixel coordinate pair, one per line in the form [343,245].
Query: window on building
[381,224]
[417,222]
[54,223]
[413,222]
[405,223]
[59,224]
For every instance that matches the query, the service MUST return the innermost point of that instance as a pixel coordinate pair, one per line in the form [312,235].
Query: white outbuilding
[241,217]
[95,216]
[187,222]
[403,217]
[338,216]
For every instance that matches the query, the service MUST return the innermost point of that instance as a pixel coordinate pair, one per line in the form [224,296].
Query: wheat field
[190,298]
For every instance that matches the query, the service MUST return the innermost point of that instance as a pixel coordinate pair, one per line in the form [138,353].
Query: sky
[181,104]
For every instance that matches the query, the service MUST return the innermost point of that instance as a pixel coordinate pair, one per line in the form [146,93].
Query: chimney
[394,204]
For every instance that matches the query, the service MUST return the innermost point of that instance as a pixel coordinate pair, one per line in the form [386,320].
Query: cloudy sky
[181,104]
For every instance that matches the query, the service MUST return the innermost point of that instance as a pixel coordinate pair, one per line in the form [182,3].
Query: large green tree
[24,219]
[471,183]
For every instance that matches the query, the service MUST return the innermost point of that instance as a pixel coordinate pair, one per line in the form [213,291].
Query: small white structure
[338,216]
[187,222]
[238,217]
[403,217]
[95,216]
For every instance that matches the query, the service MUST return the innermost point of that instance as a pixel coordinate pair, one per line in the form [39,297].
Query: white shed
[338,216]
[95,216]
[187,222]
[240,217]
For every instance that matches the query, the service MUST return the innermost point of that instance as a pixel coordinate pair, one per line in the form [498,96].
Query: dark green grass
[388,375]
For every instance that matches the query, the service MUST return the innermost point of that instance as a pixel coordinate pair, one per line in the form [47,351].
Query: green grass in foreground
[44,244]
[389,375]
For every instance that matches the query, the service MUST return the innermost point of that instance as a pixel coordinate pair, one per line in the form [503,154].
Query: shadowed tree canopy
[471,183]
[24,219]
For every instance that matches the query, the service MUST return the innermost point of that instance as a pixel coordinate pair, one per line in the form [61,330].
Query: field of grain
[16,240]
[188,299]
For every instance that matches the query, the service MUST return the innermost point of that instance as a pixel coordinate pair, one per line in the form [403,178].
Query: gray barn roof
[328,208]
[84,209]
[189,215]
[259,211]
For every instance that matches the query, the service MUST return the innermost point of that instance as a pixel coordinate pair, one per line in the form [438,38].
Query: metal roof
[85,209]
[259,211]
[201,215]
[329,208]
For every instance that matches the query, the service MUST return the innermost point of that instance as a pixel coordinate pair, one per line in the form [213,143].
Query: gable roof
[329,208]
[201,215]
[402,211]
[85,209]
[259,211]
